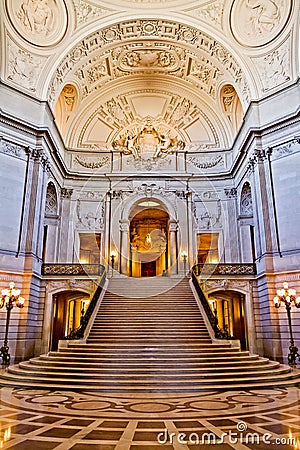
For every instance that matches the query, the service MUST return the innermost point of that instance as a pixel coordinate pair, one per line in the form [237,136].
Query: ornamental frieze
[206,162]
[161,29]
[92,164]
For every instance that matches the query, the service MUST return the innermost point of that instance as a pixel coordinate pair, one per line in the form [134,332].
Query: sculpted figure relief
[265,15]
[36,16]
[147,140]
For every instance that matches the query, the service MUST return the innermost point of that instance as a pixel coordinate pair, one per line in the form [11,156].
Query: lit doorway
[207,248]
[229,308]
[149,239]
[68,307]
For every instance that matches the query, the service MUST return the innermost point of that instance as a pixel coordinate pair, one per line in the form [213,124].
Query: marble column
[173,248]
[124,255]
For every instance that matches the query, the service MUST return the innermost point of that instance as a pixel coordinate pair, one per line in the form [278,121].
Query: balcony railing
[73,269]
[78,333]
[219,333]
[225,269]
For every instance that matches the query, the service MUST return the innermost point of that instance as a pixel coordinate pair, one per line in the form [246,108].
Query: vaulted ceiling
[191,67]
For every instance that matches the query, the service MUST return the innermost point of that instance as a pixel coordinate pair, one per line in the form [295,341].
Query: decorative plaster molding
[226,284]
[66,193]
[275,67]
[11,149]
[91,195]
[23,67]
[230,192]
[66,285]
[214,52]
[286,149]
[40,22]
[212,12]
[206,162]
[82,161]
[149,163]
[86,11]
[89,217]
[256,22]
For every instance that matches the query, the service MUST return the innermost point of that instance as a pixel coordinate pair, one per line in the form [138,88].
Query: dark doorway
[148,269]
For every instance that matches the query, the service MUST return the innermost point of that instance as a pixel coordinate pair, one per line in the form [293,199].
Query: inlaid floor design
[256,419]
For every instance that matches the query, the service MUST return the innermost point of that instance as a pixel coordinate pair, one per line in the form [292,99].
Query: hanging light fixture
[148,236]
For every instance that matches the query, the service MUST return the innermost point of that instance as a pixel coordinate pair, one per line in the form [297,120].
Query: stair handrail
[78,333]
[219,333]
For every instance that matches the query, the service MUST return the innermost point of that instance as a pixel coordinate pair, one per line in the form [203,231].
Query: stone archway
[149,238]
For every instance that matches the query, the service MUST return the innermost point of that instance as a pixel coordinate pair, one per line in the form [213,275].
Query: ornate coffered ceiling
[106,66]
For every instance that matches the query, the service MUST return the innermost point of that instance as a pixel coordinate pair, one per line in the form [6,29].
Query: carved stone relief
[66,285]
[89,215]
[226,284]
[286,149]
[91,163]
[11,149]
[208,216]
[216,55]
[119,112]
[211,12]
[206,162]
[275,67]
[85,11]
[41,22]
[257,22]
[23,67]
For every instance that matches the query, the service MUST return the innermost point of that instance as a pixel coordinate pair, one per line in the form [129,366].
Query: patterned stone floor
[257,419]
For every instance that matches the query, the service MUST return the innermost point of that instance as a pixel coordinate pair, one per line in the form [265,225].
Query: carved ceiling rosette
[40,22]
[257,22]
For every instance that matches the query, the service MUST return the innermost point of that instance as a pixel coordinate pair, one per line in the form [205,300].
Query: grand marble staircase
[154,340]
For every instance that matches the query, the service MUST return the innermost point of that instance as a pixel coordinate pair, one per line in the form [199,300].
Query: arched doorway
[149,239]
[68,307]
[229,308]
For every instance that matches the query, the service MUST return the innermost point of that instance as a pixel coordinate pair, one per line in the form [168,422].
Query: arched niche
[65,107]
[51,224]
[232,107]
[51,205]
[246,206]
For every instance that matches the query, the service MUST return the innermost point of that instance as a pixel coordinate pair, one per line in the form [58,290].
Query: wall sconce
[288,298]
[10,297]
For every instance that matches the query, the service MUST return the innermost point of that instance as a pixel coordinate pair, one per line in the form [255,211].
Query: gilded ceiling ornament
[41,22]
[257,22]
[175,35]
[148,140]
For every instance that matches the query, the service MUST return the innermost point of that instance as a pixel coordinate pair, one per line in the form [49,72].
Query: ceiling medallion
[257,22]
[147,142]
[40,22]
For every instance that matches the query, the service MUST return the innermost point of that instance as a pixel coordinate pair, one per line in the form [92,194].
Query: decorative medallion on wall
[257,22]
[40,22]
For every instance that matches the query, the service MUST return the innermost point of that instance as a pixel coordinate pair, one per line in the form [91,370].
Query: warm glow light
[83,261]
[214,261]
[148,238]
[285,285]
[113,254]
